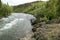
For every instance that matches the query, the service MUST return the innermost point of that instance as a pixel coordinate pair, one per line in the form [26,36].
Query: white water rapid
[15,26]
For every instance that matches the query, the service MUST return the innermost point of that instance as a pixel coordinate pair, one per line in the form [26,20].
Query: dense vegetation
[48,10]
[5,10]
[34,8]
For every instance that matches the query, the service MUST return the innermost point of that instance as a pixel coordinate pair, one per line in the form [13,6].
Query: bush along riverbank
[5,10]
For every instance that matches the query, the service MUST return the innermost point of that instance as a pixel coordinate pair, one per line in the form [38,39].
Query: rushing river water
[15,26]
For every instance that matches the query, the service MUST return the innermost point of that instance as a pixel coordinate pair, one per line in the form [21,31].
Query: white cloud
[16,2]
[44,0]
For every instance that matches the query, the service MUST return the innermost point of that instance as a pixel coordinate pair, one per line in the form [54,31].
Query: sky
[17,2]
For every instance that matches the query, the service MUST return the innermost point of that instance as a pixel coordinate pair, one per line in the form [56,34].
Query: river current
[15,26]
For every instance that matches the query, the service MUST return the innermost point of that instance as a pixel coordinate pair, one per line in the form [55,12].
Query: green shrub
[5,10]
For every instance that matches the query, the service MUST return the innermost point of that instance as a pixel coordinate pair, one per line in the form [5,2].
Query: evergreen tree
[0,3]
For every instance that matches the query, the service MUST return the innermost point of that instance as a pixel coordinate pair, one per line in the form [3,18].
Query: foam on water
[16,26]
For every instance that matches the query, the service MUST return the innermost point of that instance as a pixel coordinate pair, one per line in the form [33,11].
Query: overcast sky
[17,2]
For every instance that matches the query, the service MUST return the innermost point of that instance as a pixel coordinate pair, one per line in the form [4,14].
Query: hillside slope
[32,8]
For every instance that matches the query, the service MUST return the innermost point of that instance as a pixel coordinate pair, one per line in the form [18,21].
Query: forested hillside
[48,10]
[29,7]
[35,8]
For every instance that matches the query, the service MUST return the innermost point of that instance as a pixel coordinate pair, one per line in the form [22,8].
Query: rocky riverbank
[47,30]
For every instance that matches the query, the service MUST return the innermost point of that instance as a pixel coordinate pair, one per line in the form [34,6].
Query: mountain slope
[32,8]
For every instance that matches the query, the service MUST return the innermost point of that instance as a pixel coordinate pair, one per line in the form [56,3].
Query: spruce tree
[0,3]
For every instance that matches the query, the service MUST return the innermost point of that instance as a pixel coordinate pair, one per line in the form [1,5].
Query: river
[15,26]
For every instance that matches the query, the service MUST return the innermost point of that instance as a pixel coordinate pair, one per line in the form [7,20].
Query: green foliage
[5,10]
[35,8]
[0,3]
[49,10]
